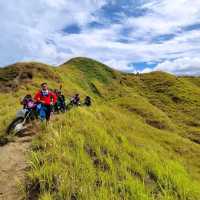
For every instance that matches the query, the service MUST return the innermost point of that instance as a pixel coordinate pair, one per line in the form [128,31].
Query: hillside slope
[139,140]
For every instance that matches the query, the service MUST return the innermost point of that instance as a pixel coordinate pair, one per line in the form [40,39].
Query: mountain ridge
[139,140]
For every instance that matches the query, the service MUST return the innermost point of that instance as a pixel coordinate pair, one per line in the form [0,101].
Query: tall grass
[87,155]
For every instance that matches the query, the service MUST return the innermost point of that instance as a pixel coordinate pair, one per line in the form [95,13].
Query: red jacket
[50,97]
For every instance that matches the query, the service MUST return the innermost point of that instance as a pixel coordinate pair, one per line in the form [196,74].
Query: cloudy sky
[129,35]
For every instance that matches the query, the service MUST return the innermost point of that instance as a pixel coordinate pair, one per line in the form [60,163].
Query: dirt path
[13,167]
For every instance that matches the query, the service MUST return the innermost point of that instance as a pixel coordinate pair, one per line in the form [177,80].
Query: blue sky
[128,35]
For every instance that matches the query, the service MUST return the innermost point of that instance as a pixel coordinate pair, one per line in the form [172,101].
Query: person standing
[44,99]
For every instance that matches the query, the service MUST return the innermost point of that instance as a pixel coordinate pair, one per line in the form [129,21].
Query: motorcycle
[60,107]
[22,119]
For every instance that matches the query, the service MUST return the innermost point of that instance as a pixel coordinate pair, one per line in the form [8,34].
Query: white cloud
[27,25]
[145,70]
[32,30]
[121,64]
[165,17]
[180,66]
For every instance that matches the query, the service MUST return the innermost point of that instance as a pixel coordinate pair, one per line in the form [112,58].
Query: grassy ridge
[90,155]
[140,139]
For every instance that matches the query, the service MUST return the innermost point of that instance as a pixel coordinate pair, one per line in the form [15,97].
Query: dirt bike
[60,107]
[23,117]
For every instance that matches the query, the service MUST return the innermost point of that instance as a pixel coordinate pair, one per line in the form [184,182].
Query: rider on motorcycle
[75,100]
[87,101]
[44,99]
[23,116]
[60,104]
[28,102]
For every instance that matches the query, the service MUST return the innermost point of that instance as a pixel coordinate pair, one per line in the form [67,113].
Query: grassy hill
[139,140]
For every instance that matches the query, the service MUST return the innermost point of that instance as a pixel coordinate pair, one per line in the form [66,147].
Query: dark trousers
[48,110]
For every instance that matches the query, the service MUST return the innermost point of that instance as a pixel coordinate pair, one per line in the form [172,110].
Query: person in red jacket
[46,98]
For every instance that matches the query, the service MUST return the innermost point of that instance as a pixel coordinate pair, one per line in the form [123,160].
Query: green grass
[105,161]
[139,140]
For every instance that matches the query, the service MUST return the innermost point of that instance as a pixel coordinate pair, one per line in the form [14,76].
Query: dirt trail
[13,166]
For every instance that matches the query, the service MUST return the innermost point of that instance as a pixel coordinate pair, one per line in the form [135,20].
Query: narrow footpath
[13,166]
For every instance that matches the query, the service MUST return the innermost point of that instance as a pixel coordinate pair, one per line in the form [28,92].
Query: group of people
[46,102]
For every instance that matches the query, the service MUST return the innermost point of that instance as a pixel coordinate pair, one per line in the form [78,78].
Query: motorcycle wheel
[15,126]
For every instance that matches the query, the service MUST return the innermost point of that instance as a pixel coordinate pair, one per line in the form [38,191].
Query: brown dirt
[13,166]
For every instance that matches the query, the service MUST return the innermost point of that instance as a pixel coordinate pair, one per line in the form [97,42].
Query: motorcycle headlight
[21,113]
